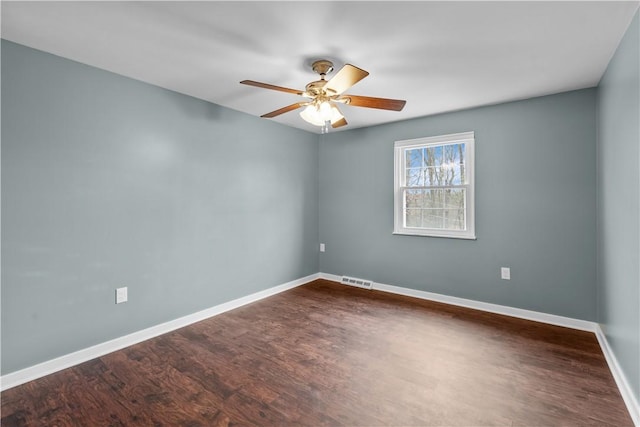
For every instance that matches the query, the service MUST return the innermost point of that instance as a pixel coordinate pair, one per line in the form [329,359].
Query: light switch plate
[505,273]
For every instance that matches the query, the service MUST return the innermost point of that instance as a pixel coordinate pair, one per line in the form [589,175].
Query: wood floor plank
[325,354]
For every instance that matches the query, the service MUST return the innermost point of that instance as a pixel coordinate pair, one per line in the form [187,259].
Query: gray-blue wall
[535,207]
[619,204]
[110,182]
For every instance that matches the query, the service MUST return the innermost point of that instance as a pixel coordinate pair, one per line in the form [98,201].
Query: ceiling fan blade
[272,87]
[284,110]
[345,78]
[370,102]
[339,123]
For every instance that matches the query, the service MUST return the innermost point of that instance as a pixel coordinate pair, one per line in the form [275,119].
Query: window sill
[442,236]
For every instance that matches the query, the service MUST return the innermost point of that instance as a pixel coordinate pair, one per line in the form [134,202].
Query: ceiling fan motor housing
[322,67]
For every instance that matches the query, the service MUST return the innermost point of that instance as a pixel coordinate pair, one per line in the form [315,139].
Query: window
[433,186]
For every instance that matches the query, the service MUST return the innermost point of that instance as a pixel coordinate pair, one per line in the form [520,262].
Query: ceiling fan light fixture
[311,115]
[319,114]
[325,111]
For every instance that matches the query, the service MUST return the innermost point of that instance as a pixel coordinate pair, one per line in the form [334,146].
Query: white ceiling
[439,56]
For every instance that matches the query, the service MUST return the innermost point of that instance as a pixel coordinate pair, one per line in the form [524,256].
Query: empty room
[297,213]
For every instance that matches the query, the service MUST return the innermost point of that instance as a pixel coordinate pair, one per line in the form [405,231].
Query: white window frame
[399,227]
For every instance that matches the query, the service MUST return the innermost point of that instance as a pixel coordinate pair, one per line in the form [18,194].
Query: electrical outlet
[121,295]
[505,273]
[321,247]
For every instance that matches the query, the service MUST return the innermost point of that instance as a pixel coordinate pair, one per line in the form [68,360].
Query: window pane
[432,158]
[453,198]
[454,219]
[433,218]
[414,165]
[415,177]
[413,218]
[414,158]
[441,209]
[433,199]
[433,155]
[439,165]
[445,164]
[414,199]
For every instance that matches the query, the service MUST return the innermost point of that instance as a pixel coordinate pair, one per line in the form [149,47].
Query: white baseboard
[621,380]
[618,374]
[552,319]
[68,360]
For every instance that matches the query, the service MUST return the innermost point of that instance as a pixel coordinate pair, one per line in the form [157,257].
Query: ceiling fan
[322,109]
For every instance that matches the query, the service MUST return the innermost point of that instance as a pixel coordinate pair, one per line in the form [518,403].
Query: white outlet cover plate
[121,295]
[505,273]
[322,247]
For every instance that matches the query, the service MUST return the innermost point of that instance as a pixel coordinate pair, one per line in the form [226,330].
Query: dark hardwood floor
[328,354]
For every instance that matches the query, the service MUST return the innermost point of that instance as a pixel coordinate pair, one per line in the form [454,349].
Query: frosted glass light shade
[311,115]
[318,115]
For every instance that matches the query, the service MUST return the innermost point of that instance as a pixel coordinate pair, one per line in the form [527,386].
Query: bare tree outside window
[430,200]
